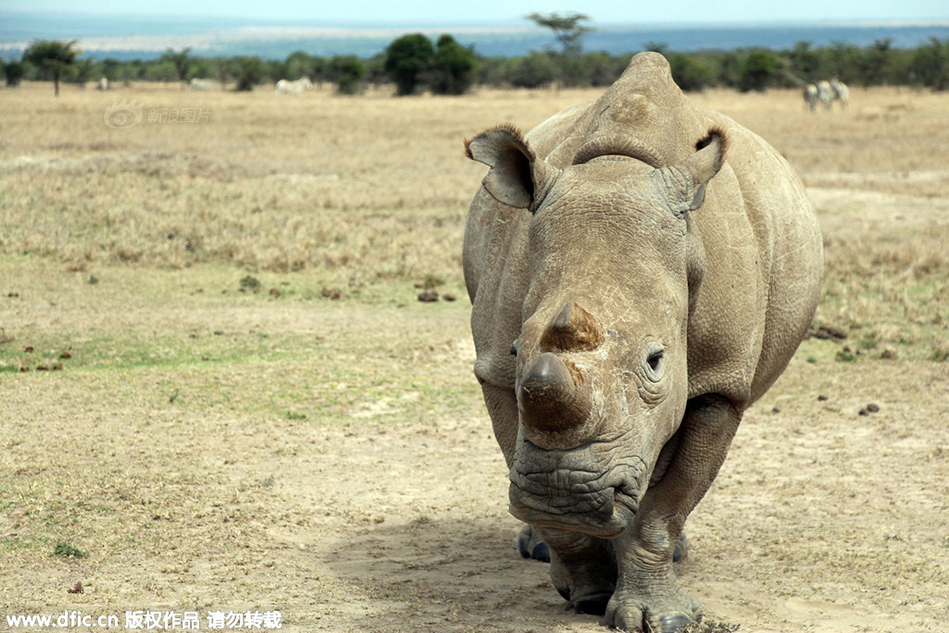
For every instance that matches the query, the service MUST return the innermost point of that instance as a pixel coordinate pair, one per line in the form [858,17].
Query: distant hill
[129,37]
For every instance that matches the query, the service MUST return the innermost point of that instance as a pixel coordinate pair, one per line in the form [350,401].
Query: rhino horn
[553,398]
[572,330]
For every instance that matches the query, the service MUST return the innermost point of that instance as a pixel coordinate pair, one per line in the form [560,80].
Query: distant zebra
[840,92]
[810,97]
[204,84]
[825,94]
[296,87]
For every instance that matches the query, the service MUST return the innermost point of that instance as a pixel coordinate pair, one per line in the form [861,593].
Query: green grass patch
[67,550]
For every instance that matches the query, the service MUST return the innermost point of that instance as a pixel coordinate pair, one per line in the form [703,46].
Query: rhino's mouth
[572,491]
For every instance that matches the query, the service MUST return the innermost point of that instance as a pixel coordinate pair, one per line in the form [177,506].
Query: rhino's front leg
[648,596]
[582,569]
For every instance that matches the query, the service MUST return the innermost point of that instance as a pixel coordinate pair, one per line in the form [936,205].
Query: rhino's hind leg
[648,596]
[531,545]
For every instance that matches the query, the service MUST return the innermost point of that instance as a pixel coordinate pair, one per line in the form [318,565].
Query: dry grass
[369,189]
[368,186]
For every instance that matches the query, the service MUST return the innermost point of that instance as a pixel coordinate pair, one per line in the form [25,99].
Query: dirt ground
[209,450]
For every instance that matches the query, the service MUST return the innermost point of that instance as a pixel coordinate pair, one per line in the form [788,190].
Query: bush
[690,72]
[930,65]
[407,58]
[249,71]
[533,71]
[347,73]
[453,67]
[760,69]
[13,72]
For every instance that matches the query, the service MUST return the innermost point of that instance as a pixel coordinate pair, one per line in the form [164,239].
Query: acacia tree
[569,32]
[407,59]
[567,29]
[52,57]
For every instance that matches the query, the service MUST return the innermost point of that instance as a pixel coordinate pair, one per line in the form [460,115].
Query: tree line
[415,63]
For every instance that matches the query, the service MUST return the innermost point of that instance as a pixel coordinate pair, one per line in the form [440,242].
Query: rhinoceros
[641,270]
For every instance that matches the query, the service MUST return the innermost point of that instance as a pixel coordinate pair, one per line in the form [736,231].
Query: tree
[875,61]
[14,73]
[930,65]
[347,73]
[690,72]
[533,71]
[249,71]
[407,59]
[805,62]
[180,61]
[82,72]
[758,71]
[299,64]
[52,57]
[453,67]
[567,29]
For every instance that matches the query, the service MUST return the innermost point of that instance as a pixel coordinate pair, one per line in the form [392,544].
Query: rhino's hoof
[530,545]
[595,605]
[541,552]
[666,623]
[682,549]
[632,619]
[671,622]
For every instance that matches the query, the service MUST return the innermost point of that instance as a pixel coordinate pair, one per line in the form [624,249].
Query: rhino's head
[602,373]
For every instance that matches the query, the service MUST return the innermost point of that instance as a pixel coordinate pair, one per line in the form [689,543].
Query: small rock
[65,355]
[863,412]
[873,408]
[28,349]
[428,296]
[830,332]
[331,293]
[822,398]
[449,297]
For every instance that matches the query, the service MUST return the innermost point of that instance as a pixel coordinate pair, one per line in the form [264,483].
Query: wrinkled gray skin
[632,296]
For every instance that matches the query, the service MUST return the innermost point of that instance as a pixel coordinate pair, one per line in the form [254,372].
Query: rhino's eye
[654,365]
[654,360]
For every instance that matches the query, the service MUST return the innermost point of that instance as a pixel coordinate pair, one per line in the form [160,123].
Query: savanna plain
[220,392]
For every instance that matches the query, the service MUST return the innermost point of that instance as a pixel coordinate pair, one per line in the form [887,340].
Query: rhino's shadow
[447,575]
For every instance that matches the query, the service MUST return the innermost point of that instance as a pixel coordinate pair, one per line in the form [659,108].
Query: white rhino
[641,270]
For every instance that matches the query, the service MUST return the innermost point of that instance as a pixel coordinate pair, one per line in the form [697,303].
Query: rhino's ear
[684,183]
[517,176]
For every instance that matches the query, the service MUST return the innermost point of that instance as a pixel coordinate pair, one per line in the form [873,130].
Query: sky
[493,12]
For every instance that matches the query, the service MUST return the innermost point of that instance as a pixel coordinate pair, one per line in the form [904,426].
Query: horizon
[130,35]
